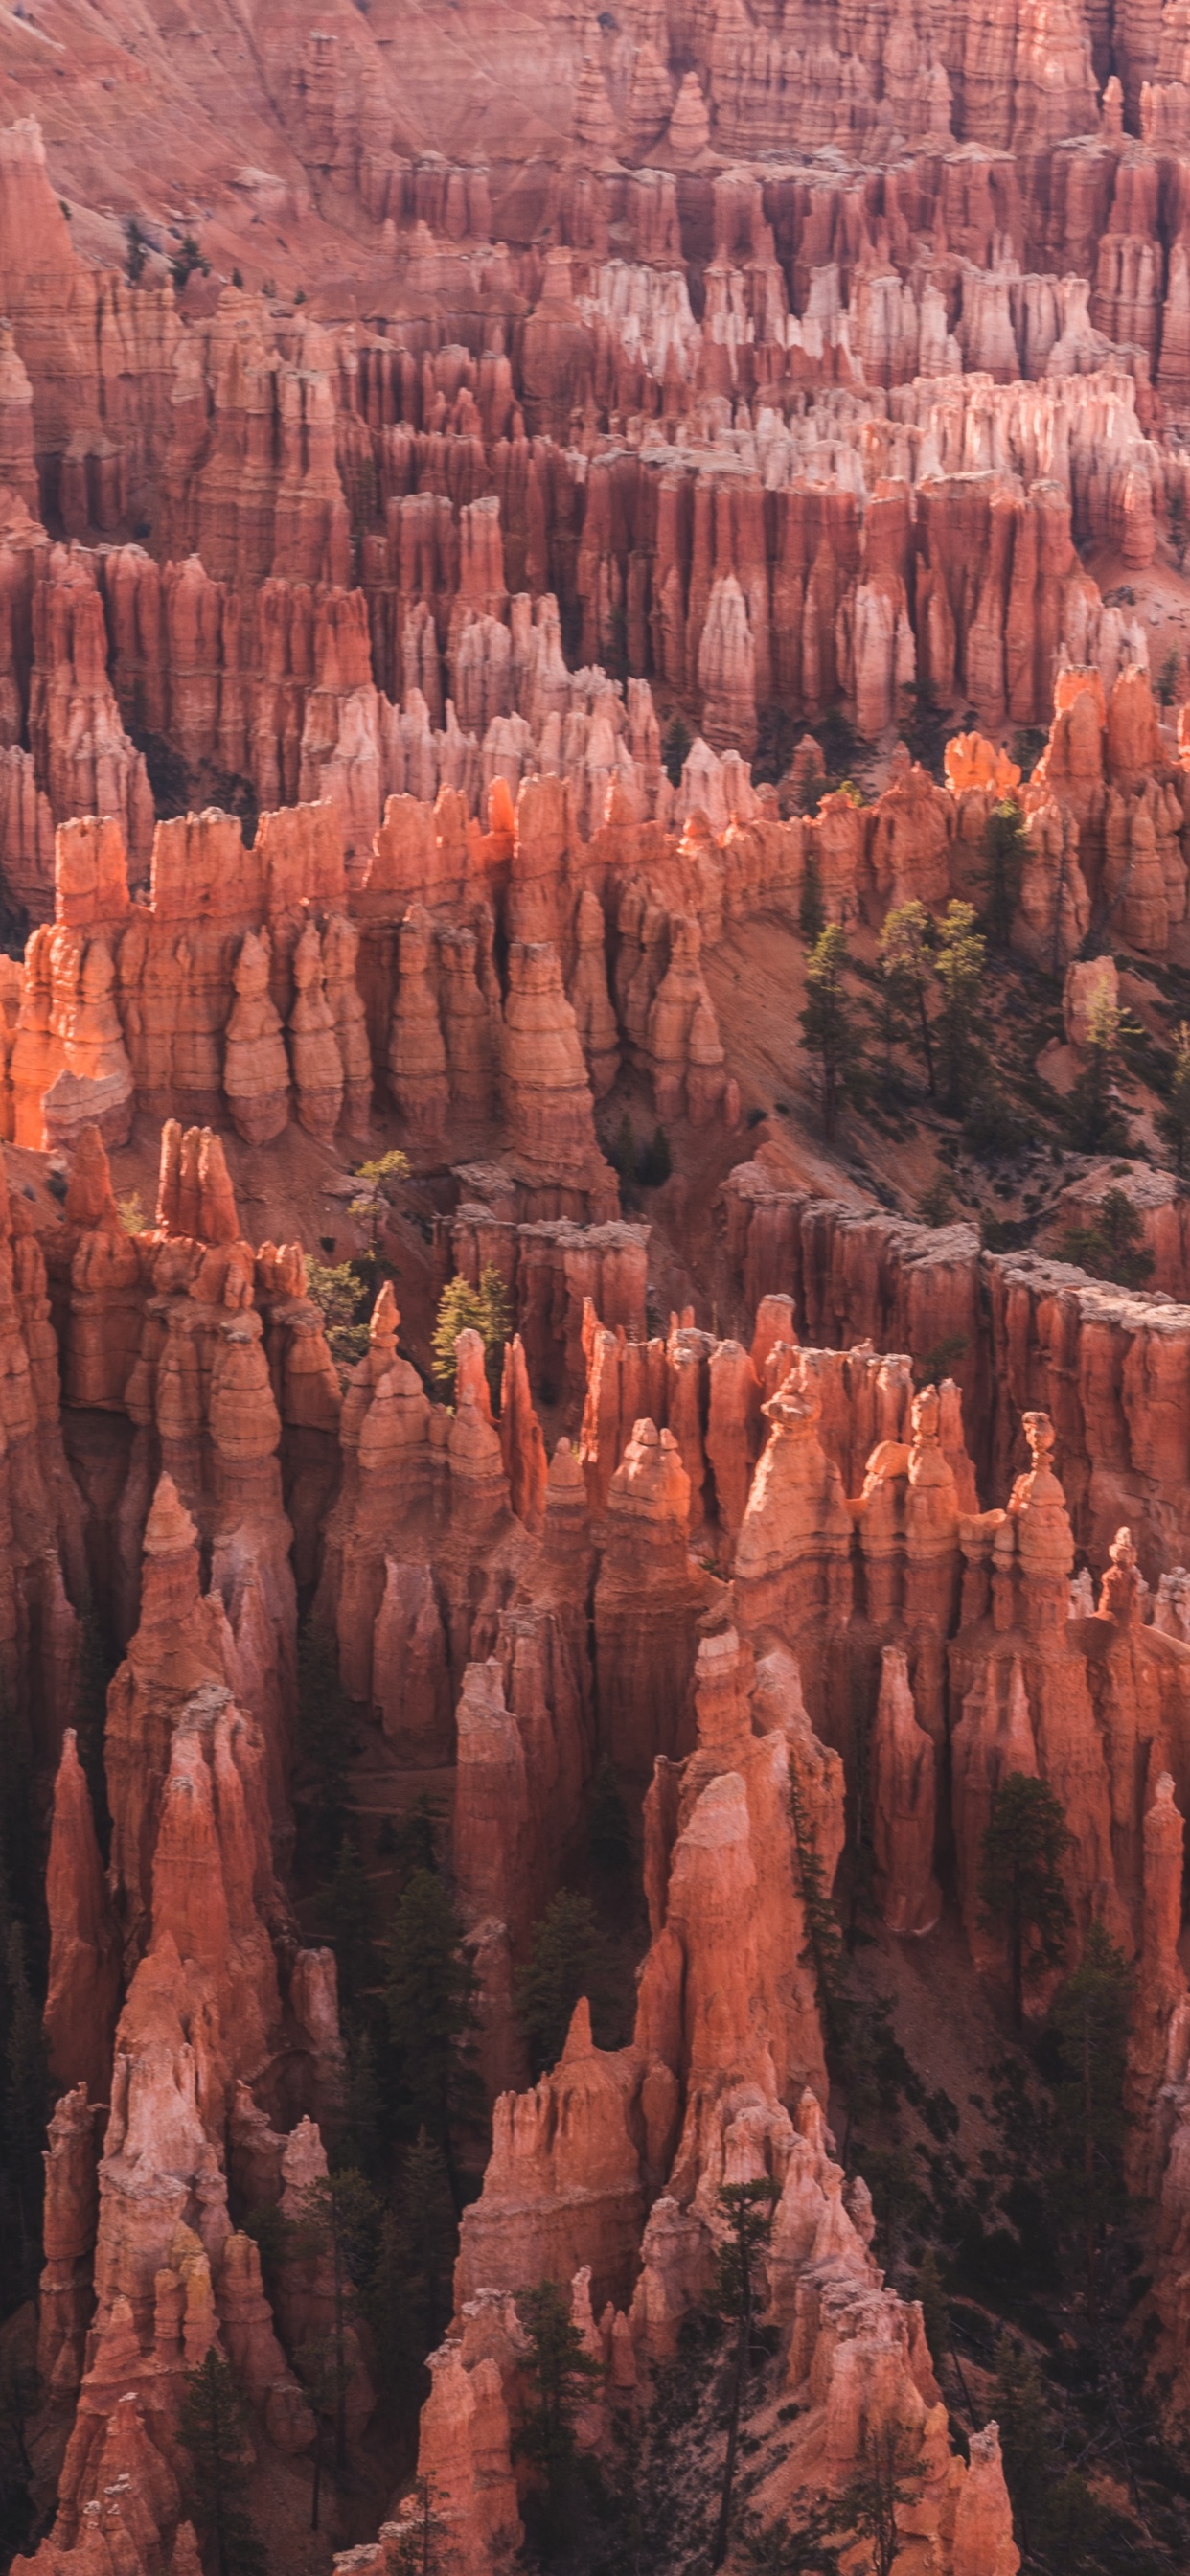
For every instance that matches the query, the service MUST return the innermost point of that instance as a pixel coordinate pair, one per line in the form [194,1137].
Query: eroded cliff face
[349,587]
[454,465]
[813,1541]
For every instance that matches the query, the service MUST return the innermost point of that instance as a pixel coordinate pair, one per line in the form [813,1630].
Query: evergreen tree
[1178,523]
[412,1840]
[1090,2024]
[1004,849]
[21,2396]
[1021,1894]
[346,1917]
[811,910]
[959,968]
[748,2209]
[905,958]
[656,1163]
[358,2130]
[801,2548]
[1113,1247]
[483,1310]
[824,1952]
[417,2544]
[430,2003]
[370,1205]
[558,2372]
[213,2430]
[870,2504]
[676,747]
[340,1297]
[326,1741]
[624,1152]
[1174,1119]
[829,1028]
[24,2103]
[427,2237]
[338,2221]
[90,1723]
[568,1958]
[1025,2448]
[609,1833]
[935,2306]
[1096,1124]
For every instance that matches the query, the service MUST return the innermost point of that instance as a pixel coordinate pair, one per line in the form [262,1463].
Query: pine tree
[871,2502]
[1090,2023]
[340,1297]
[1096,1124]
[675,749]
[483,1310]
[1113,1247]
[1021,1894]
[935,2306]
[325,1741]
[1025,2446]
[430,2003]
[370,1204]
[829,1029]
[24,2104]
[407,2295]
[748,2209]
[824,1953]
[905,955]
[811,910]
[419,2533]
[568,1958]
[609,1833]
[346,1916]
[1174,1119]
[1004,849]
[338,2220]
[959,968]
[558,2372]
[213,2430]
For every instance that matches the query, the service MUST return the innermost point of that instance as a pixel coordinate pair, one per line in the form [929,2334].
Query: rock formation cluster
[348,599]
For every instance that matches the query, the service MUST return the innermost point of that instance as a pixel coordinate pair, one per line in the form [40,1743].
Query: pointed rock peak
[70,1768]
[579,2042]
[386,1321]
[169,1530]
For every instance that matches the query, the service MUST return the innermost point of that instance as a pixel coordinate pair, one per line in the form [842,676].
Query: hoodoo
[594,1289]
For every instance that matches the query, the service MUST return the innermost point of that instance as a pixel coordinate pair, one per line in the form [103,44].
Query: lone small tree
[568,1958]
[1178,523]
[1004,850]
[1113,1247]
[829,1028]
[559,2372]
[959,968]
[1174,1119]
[483,1310]
[338,2220]
[871,2501]
[430,2003]
[811,910]
[1025,2446]
[905,954]
[1090,2023]
[1021,1894]
[748,2208]
[1094,1107]
[213,2430]
[370,1204]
